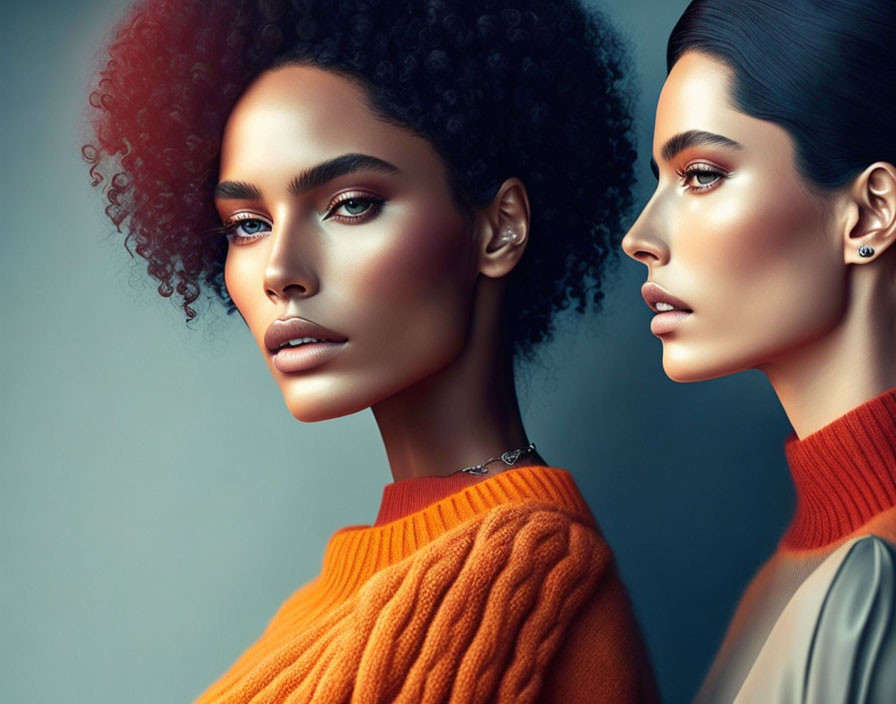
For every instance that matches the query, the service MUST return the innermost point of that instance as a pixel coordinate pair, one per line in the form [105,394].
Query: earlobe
[503,229]
[873,194]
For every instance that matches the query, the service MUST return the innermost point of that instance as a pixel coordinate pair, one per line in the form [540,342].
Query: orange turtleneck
[466,589]
[845,481]
[845,477]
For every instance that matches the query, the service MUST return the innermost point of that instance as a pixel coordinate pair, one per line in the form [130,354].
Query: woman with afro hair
[397,196]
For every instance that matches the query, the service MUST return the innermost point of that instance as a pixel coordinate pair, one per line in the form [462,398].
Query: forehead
[295,116]
[695,96]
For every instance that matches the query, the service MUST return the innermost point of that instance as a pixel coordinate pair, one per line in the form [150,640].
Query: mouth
[299,341]
[671,311]
[661,301]
[290,333]
[298,344]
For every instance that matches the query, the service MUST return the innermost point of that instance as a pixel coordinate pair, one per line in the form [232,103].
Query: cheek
[767,251]
[417,265]
[766,278]
[401,294]
[234,273]
[243,272]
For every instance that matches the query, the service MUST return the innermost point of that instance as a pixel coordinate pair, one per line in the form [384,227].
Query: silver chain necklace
[509,458]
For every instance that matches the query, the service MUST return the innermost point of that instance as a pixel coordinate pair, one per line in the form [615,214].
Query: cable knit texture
[468,600]
[844,474]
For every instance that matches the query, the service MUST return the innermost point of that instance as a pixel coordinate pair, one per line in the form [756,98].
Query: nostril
[288,291]
[644,256]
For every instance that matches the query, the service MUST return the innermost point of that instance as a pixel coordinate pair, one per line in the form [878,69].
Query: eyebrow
[695,138]
[310,178]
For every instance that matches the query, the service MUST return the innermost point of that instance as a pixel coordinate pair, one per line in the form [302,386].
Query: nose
[643,242]
[290,269]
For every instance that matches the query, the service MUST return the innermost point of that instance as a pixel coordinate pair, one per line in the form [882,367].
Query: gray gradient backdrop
[158,502]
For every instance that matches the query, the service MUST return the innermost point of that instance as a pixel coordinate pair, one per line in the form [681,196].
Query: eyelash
[695,170]
[235,221]
[229,229]
[376,204]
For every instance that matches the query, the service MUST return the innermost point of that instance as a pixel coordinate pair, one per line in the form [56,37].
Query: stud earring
[508,235]
[866,251]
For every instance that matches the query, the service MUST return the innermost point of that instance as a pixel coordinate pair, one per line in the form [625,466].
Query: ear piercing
[866,251]
[508,234]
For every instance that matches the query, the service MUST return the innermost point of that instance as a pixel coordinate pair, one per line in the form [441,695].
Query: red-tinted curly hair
[500,88]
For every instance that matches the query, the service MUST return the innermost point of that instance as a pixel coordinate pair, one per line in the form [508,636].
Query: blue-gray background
[158,502]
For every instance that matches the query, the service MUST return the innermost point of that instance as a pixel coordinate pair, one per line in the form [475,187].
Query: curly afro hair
[501,88]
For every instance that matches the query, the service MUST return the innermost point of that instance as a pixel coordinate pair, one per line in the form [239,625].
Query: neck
[461,416]
[825,379]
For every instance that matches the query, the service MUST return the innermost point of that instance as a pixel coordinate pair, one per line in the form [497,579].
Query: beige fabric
[758,611]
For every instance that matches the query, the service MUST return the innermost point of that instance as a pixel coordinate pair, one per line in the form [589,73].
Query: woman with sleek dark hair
[355,178]
[769,244]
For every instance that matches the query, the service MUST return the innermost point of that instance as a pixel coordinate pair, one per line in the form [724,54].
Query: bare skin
[767,265]
[375,250]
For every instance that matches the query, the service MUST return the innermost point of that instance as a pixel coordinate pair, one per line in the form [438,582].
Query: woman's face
[344,240]
[747,257]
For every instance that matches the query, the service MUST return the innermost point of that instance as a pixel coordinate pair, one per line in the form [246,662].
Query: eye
[354,207]
[701,177]
[244,228]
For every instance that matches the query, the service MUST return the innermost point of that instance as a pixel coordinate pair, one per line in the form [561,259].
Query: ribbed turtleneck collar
[356,552]
[404,497]
[845,474]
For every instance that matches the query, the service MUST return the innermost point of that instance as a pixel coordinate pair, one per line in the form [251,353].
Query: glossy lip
[304,357]
[664,321]
[654,293]
[285,329]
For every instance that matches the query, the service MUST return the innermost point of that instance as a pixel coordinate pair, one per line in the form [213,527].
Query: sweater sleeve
[835,642]
[603,657]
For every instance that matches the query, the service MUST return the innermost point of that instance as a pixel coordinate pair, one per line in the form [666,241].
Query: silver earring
[866,251]
[508,235]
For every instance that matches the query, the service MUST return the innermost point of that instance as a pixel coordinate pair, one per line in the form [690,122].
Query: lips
[660,300]
[297,332]
[670,311]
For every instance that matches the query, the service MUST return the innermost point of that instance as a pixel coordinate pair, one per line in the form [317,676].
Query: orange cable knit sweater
[501,592]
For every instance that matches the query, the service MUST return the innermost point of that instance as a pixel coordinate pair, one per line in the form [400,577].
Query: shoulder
[485,605]
[836,639]
[860,570]
[535,536]
[867,565]
[853,658]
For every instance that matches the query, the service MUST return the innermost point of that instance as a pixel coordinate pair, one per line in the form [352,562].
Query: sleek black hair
[825,70]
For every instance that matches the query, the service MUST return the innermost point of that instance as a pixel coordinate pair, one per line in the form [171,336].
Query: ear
[503,229]
[873,197]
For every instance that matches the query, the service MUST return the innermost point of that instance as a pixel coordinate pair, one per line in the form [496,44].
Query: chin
[310,405]
[684,375]
[685,367]
[325,394]
[307,411]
